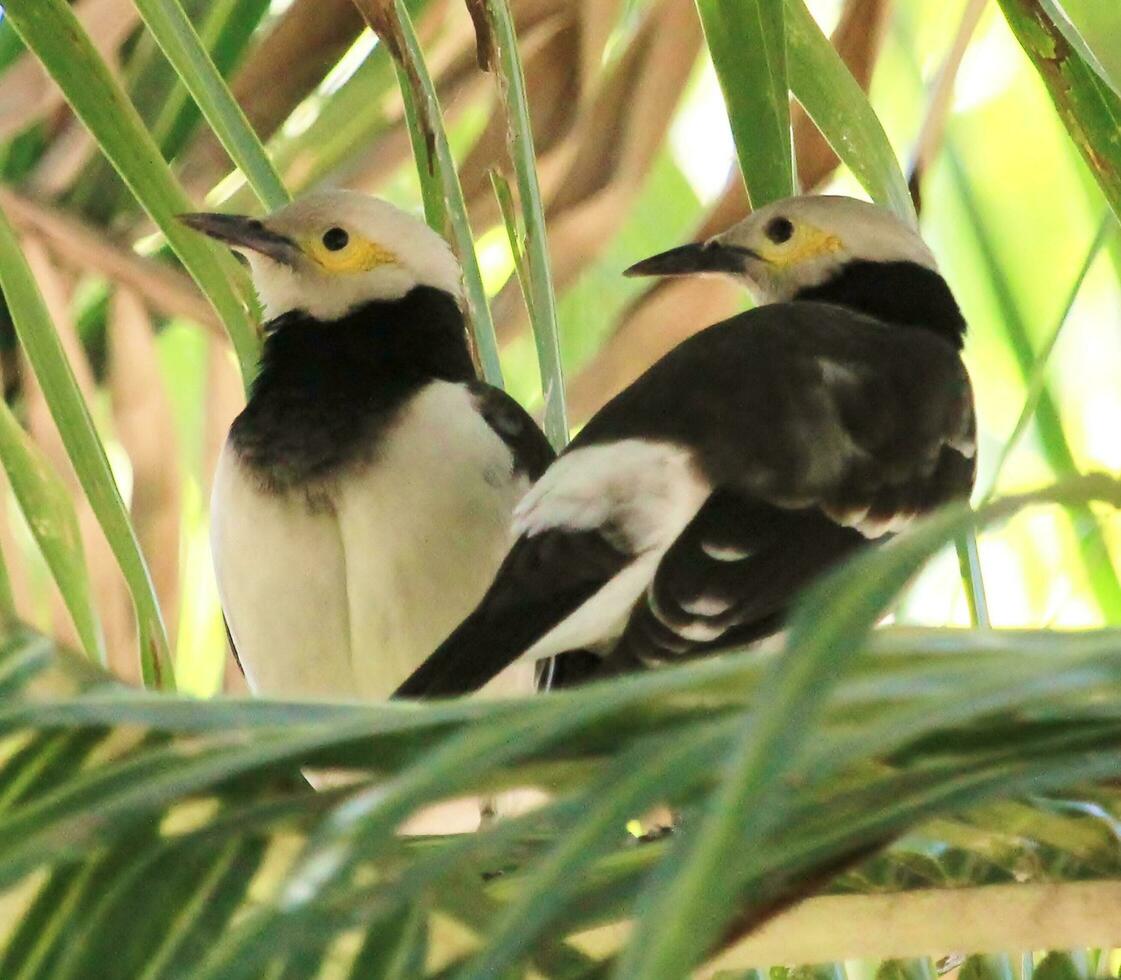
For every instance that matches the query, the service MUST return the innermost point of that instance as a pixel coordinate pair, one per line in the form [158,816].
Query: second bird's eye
[334,239]
[779,230]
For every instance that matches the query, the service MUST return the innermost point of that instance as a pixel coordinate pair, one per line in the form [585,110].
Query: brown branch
[110,592]
[145,424]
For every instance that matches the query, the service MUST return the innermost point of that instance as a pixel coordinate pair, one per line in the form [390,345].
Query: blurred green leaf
[991,967]
[1092,545]
[87,454]
[692,898]
[46,505]
[1060,966]
[1037,380]
[747,42]
[396,951]
[906,970]
[225,31]
[179,41]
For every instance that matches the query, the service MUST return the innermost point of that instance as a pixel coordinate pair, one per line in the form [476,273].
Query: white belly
[345,602]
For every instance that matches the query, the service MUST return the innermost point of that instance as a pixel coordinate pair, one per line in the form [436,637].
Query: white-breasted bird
[362,502]
[691,509]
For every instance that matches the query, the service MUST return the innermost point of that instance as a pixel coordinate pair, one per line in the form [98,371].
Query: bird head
[795,244]
[332,251]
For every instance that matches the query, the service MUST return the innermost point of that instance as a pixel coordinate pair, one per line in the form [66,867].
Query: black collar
[325,390]
[903,293]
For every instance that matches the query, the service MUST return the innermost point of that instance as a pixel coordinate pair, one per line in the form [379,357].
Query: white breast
[347,601]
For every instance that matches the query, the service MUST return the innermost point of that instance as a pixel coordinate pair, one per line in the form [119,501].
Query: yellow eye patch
[357,255]
[806,243]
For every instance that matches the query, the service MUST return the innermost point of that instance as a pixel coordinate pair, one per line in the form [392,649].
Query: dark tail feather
[483,645]
[567,670]
[542,580]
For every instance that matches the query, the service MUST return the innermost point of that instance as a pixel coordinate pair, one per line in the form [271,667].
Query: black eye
[779,230]
[334,239]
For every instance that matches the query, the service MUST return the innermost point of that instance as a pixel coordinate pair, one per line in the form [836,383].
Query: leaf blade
[52,31]
[840,109]
[41,343]
[180,43]
[755,89]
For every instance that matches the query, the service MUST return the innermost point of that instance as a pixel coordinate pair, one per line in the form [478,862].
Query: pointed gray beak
[241,232]
[700,257]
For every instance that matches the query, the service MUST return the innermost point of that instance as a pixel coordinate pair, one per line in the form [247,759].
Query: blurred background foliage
[635,155]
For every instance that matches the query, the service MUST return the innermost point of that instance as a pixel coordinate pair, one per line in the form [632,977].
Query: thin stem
[1038,380]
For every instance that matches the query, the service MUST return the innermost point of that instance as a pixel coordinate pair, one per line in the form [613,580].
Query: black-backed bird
[363,500]
[692,508]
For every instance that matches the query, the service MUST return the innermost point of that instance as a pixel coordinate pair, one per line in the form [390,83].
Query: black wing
[730,577]
[727,580]
[542,580]
[818,429]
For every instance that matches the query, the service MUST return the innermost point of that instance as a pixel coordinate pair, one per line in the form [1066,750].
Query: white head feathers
[351,249]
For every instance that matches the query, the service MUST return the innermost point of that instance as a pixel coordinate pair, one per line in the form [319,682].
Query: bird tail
[484,645]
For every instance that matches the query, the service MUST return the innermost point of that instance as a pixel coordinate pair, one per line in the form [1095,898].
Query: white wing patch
[641,491]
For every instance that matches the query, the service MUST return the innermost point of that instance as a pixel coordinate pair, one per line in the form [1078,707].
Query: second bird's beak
[241,232]
[687,260]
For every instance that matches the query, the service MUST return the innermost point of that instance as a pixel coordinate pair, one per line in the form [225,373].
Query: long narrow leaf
[8,615]
[1091,541]
[747,42]
[46,505]
[505,201]
[44,350]
[1037,381]
[969,563]
[625,790]
[540,298]
[54,33]
[840,109]
[390,20]
[427,167]
[689,901]
[1092,29]
[179,41]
